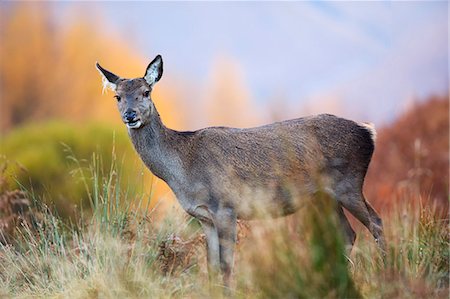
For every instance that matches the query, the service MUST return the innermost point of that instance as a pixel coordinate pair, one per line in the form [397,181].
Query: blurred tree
[48,72]
[228,101]
[412,155]
[26,55]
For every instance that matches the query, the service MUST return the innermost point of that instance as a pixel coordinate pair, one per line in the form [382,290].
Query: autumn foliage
[412,156]
[47,72]
[47,69]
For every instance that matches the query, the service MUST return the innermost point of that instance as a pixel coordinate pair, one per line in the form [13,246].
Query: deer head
[134,95]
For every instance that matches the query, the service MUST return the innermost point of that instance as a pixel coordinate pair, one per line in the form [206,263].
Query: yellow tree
[26,54]
[228,101]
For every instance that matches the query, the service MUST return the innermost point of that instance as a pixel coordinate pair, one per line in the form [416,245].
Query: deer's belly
[270,202]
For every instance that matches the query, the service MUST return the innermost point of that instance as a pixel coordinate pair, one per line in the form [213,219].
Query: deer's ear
[154,71]
[109,79]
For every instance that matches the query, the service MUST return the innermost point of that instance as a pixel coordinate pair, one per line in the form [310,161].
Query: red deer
[222,174]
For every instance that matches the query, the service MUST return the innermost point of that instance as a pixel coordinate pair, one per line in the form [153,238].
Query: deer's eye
[146,93]
[117,98]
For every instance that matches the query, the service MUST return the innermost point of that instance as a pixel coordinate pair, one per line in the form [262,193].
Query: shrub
[51,161]
[412,155]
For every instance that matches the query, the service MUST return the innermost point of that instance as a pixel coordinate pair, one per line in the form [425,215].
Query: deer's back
[323,141]
[278,161]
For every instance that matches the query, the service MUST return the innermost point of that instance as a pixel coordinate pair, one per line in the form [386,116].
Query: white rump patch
[371,128]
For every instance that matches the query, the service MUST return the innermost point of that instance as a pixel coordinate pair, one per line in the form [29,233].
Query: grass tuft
[121,251]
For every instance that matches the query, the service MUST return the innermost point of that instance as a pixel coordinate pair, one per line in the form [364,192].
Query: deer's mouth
[135,124]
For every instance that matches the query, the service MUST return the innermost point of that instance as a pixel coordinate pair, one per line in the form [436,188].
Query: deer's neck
[158,148]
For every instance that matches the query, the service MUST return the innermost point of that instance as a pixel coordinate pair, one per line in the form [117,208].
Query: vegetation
[42,161]
[123,253]
[412,155]
[77,220]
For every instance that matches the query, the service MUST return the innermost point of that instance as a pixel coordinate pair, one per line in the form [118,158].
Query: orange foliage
[412,155]
[227,100]
[48,72]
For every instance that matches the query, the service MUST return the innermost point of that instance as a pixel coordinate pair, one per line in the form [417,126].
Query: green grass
[37,156]
[123,252]
[418,257]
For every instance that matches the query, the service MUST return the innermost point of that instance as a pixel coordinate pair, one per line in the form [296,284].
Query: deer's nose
[130,115]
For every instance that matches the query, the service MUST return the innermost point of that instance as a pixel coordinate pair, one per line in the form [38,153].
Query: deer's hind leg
[376,220]
[349,233]
[356,204]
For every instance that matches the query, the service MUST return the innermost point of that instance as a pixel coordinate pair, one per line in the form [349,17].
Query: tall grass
[120,251]
[306,260]
[417,264]
[114,252]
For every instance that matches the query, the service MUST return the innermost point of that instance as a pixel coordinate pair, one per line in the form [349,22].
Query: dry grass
[121,253]
[289,258]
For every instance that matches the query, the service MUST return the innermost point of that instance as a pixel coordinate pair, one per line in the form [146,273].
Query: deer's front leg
[212,248]
[226,222]
[220,233]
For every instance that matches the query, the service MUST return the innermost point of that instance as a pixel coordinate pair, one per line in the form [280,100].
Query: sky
[370,59]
